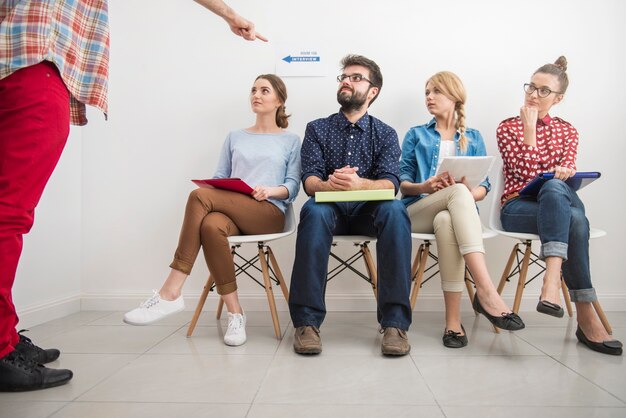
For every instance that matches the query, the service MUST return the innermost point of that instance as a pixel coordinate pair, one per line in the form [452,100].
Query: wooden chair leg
[522,278]
[269,292]
[422,255]
[566,298]
[201,301]
[371,268]
[507,269]
[602,316]
[279,274]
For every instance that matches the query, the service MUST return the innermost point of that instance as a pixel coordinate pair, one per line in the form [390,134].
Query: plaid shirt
[73,34]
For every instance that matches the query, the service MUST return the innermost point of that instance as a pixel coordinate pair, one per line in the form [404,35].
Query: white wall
[180,80]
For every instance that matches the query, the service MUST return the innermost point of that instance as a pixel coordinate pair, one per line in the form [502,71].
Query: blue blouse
[420,154]
[262,159]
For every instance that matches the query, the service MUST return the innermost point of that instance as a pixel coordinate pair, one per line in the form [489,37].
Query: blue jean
[386,220]
[557,215]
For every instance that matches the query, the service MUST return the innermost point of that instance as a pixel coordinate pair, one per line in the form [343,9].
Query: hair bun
[561,62]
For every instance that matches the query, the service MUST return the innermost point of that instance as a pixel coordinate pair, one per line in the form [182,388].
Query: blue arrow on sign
[289,59]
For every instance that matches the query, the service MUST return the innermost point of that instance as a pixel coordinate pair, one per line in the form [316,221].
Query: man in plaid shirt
[54,57]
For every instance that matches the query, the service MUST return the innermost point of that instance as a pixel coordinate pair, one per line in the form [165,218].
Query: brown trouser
[211,216]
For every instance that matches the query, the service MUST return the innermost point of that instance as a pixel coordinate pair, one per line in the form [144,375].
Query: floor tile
[253,319]
[509,381]
[343,380]
[344,411]
[176,320]
[152,410]
[608,372]
[535,412]
[88,369]
[109,339]
[28,409]
[58,326]
[210,340]
[340,340]
[482,342]
[561,341]
[184,378]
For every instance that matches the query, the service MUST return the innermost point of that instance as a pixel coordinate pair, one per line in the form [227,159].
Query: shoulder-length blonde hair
[451,86]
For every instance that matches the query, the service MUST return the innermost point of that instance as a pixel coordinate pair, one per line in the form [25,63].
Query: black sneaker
[31,352]
[18,374]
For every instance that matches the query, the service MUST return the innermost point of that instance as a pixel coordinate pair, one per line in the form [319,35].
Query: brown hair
[451,86]
[376,77]
[558,69]
[281,91]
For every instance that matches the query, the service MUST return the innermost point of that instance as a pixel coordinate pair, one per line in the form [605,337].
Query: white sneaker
[154,309]
[236,332]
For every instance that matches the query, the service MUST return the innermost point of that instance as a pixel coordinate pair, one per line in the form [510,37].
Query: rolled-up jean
[557,215]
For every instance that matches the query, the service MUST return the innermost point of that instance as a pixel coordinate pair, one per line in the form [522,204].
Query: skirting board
[37,314]
[47,311]
[334,302]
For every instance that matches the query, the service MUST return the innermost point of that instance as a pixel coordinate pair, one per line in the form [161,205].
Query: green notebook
[355,195]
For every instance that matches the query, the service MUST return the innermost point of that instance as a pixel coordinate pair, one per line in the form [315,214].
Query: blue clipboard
[576,182]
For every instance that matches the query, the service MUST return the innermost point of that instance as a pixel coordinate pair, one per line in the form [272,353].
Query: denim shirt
[420,154]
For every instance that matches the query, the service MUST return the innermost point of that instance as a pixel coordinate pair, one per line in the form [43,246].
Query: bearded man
[351,150]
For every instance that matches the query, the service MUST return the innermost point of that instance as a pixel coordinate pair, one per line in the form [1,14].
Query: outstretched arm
[238,25]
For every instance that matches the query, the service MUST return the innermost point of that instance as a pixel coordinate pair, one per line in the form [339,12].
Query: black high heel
[508,321]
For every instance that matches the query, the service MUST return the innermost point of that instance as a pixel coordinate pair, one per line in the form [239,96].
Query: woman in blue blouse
[267,158]
[446,206]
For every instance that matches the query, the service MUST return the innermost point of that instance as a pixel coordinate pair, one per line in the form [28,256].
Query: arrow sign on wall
[291,59]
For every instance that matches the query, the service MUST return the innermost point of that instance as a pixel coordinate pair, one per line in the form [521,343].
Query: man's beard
[352,102]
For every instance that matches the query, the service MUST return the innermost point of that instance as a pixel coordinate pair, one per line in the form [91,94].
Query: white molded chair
[363,252]
[523,256]
[268,268]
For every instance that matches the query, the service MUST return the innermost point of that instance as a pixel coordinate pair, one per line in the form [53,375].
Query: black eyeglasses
[542,92]
[354,78]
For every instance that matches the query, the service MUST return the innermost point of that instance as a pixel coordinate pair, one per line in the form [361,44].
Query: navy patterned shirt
[335,142]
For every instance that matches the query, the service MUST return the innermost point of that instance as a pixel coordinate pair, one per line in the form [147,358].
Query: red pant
[34,125]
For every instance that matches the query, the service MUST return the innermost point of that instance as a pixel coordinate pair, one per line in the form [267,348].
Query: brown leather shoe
[395,342]
[307,340]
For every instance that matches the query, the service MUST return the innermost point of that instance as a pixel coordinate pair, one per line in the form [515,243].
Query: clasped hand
[345,178]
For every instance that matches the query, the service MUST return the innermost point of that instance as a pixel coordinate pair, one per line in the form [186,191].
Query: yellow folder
[355,195]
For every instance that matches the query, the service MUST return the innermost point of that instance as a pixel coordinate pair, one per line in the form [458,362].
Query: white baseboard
[58,308]
[47,311]
[334,302]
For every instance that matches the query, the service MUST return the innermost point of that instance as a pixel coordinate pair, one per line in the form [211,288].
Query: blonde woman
[446,206]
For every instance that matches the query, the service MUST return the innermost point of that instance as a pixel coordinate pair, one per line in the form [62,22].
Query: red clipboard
[232,184]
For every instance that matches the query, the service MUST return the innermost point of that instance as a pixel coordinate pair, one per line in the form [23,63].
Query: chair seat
[268,268]
[289,228]
[353,238]
[241,239]
[593,233]
[487,233]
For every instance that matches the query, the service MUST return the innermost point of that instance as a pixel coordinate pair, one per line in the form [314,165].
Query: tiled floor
[123,371]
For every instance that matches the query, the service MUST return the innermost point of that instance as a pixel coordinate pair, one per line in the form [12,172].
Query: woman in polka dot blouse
[532,143]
